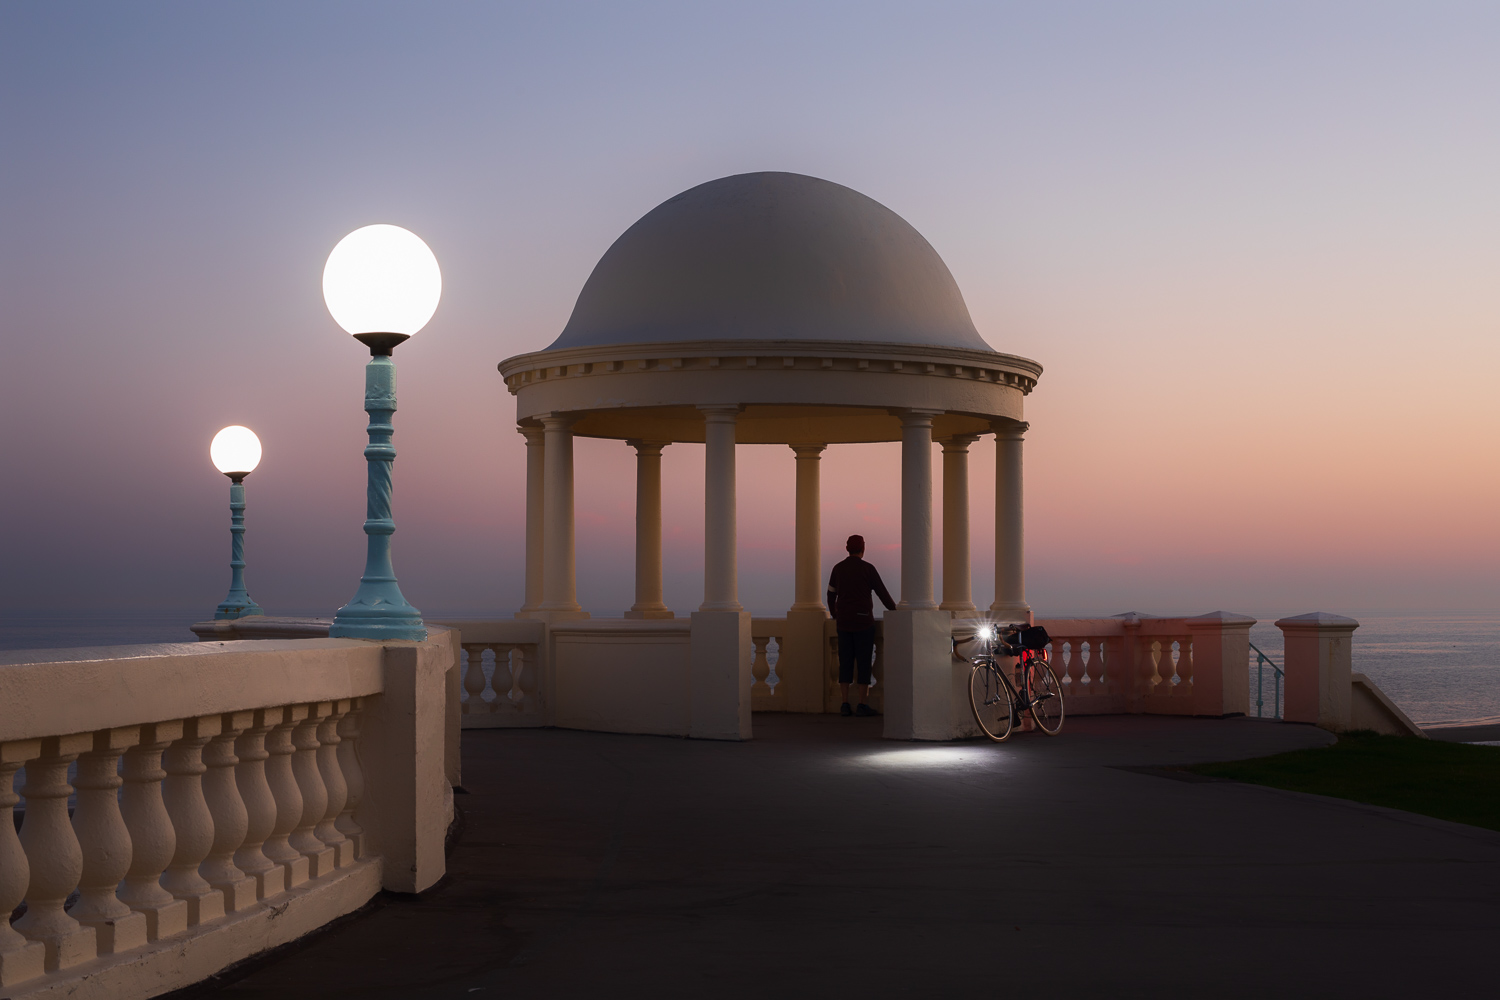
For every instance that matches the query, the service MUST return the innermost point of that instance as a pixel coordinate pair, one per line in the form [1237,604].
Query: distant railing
[1278,674]
[230,797]
[502,670]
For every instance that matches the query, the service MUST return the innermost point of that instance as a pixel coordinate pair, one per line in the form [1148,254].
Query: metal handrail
[1261,660]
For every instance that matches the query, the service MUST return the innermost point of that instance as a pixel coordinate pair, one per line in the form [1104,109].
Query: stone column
[809,557]
[720,632]
[720,577]
[648,598]
[536,500]
[1010,563]
[958,587]
[925,696]
[559,588]
[800,661]
[916,510]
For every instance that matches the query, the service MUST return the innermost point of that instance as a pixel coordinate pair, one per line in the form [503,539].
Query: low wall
[268,788]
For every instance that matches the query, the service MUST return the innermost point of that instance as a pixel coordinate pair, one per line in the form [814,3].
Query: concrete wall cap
[1317,620]
[1225,617]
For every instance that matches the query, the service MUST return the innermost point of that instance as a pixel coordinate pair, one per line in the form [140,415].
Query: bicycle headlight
[986,633]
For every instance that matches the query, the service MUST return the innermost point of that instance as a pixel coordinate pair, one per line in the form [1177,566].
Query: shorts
[856,649]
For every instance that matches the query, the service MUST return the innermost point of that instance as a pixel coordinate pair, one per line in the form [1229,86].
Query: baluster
[1087,657]
[474,680]
[260,805]
[54,855]
[774,679]
[338,790]
[152,838]
[760,667]
[1185,665]
[288,798]
[1101,667]
[1154,654]
[354,778]
[20,959]
[523,664]
[1072,665]
[105,841]
[231,817]
[314,792]
[503,680]
[182,791]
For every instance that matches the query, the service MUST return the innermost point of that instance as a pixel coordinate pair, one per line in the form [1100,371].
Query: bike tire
[989,697]
[1046,699]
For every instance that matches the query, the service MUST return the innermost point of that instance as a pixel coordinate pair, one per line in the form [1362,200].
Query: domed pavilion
[775,308]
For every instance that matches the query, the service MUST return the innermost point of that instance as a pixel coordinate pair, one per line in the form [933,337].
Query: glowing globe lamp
[382,284]
[235,451]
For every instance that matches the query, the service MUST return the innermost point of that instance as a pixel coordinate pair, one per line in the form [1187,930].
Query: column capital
[957,443]
[557,421]
[1010,430]
[643,447]
[917,418]
[808,450]
[534,436]
[720,412]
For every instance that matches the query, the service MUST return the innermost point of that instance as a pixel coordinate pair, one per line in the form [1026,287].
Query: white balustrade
[204,825]
[501,673]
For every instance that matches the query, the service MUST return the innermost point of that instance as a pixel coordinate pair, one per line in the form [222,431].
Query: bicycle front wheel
[989,696]
[1046,699]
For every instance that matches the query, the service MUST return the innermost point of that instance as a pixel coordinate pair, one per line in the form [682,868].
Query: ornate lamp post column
[235,451]
[382,284]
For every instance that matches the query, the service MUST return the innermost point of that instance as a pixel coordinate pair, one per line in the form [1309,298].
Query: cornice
[769,356]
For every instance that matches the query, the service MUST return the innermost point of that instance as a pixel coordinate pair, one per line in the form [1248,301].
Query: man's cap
[856,543]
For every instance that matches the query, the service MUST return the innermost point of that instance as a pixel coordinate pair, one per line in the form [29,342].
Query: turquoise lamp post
[382,284]
[235,451]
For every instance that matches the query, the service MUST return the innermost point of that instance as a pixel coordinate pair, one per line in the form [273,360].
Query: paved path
[820,860]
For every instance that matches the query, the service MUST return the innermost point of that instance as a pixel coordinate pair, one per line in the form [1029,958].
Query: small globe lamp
[382,284]
[235,451]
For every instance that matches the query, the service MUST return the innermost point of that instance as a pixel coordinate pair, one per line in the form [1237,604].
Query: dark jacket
[849,587]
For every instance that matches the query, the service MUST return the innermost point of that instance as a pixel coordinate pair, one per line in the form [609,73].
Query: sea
[1441,667]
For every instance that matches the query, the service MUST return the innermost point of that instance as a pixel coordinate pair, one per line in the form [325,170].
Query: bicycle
[998,700]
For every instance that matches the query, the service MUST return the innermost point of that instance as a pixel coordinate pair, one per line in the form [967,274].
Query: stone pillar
[800,663]
[1221,663]
[922,681]
[809,557]
[1010,563]
[1318,668]
[648,597]
[916,510]
[559,588]
[958,585]
[720,578]
[536,500]
[720,635]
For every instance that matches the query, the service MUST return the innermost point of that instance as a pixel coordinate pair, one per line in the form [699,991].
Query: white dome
[771,256]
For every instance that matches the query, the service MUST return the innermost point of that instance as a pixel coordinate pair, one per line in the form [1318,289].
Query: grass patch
[1452,781]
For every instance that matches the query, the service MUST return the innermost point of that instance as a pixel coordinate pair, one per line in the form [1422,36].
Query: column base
[559,615]
[661,611]
[802,657]
[528,613]
[1009,611]
[966,610]
[926,687]
[719,674]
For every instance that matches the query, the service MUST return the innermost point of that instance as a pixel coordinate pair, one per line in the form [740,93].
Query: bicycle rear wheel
[989,696]
[1046,699]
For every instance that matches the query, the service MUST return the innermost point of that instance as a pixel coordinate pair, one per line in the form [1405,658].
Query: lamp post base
[237,609]
[357,620]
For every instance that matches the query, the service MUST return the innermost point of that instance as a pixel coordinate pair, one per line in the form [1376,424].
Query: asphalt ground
[821,860]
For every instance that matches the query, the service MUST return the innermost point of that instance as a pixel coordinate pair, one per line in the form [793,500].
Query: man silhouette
[849,588]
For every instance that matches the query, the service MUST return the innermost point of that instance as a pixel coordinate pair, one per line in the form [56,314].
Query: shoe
[864,709]
[846,710]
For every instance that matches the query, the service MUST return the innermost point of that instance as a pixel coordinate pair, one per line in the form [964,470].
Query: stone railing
[502,671]
[230,797]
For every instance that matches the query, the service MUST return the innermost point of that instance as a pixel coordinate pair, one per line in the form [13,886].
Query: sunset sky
[1256,248]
